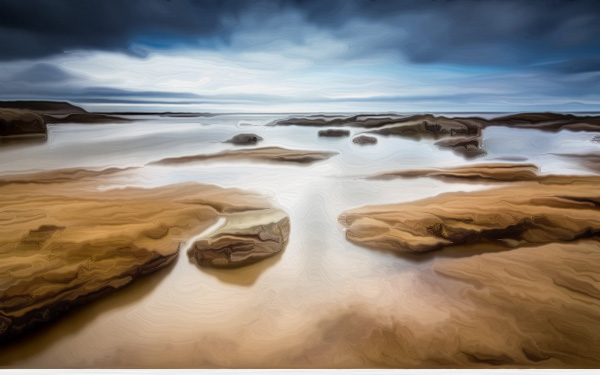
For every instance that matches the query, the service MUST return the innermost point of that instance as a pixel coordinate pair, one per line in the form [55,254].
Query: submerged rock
[245,238]
[245,139]
[364,140]
[334,133]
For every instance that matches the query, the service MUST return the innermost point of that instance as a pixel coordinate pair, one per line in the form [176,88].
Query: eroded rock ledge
[63,244]
[245,238]
[476,172]
[556,209]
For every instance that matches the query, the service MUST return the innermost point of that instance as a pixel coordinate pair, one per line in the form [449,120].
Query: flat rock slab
[334,133]
[492,172]
[556,209]
[265,154]
[63,244]
[245,239]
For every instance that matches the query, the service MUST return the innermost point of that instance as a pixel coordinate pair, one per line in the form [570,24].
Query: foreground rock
[556,209]
[268,154]
[15,122]
[244,239]
[245,139]
[334,133]
[64,244]
[477,172]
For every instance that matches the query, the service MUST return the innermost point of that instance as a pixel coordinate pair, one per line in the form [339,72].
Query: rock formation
[244,239]
[556,209]
[334,133]
[364,140]
[486,171]
[63,244]
[16,122]
[268,154]
[245,139]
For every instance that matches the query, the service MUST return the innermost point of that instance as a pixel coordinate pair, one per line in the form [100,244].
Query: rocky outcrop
[435,127]
[64,244]
[362,121]
[59,112]
[44,107]
[245,139]
[556,209]
[265,154]
[548,122]
[364,140]
[244,239]
[492,172]
[334,133]
[468,147]
[14,122]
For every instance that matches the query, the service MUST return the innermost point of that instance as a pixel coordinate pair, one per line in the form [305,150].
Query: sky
[304,56]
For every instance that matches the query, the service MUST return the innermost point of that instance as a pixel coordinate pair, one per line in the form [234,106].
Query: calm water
[185,316]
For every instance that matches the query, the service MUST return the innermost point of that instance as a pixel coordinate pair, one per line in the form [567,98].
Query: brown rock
[334,133]
[556,209]
[245,139]
[245,238]
[266,154]
[14,122]
[364,140]
[63,244]
[485,171]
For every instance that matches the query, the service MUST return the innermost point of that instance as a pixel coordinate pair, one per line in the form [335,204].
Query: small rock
[364,140]
[334,133]
[245,139]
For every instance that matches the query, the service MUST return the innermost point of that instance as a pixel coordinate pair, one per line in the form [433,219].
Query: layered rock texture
[556,209]
[244,239]
[63,242]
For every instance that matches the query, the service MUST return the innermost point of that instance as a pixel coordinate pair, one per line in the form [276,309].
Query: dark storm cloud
[35,28]
[508,33]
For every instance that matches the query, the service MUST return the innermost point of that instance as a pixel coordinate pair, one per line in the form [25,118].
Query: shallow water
[188,317]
